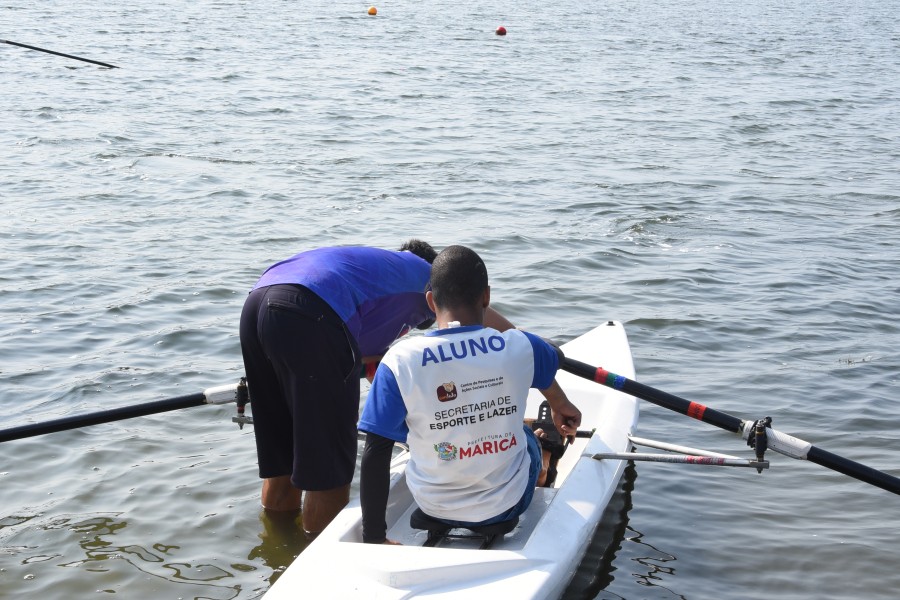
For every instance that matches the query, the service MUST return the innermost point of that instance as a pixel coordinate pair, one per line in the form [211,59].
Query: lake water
[720,176]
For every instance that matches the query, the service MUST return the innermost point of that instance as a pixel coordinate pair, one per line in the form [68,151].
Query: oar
[88,60]
[776,440]
[222,394]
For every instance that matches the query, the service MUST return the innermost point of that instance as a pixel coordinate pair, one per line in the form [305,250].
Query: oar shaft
[783,443]
[694,410]
[88,60]
[853,469]
[105,416]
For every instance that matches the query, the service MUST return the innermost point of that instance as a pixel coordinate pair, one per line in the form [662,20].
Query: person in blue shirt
[307,327]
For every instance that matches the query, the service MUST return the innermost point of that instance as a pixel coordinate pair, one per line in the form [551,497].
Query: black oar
[88,60]
[775,440]
[217,395]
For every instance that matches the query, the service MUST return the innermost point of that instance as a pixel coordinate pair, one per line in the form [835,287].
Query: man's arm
[374,484]
[370,365]
[548,357]
[495,320]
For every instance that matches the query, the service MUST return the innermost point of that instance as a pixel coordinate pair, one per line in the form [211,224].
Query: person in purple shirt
[308,326]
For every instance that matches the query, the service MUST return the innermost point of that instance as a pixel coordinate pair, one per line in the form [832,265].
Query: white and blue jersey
[457,397]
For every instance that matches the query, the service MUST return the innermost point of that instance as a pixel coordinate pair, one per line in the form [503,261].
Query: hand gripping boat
[536,559]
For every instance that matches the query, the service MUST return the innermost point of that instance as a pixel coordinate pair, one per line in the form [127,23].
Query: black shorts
[302,368]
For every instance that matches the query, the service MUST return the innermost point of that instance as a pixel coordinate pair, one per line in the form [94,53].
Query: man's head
[458,278]
[421,249]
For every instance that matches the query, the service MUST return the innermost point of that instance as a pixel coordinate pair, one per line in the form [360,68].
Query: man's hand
[566,416]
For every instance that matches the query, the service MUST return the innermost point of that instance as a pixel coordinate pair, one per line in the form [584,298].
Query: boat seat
[438,530]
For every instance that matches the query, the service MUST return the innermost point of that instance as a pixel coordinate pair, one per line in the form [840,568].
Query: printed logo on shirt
[445,451]
[496,445]
[447,392]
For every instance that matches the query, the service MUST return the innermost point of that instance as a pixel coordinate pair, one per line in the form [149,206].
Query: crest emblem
[447,392]
[445,450]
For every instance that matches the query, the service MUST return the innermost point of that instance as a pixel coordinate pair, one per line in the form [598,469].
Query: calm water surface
[720,176]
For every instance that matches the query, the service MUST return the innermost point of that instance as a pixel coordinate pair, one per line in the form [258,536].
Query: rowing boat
[537,559]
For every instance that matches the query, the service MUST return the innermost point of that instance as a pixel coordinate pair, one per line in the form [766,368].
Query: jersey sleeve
[384,412]
[546,361]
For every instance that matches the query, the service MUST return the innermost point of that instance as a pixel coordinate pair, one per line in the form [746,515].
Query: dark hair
[458,277]
[421,249]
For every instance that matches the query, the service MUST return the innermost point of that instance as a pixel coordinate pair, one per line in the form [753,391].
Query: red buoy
[501,30]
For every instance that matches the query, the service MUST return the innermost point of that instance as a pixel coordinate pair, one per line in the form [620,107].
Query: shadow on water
[597,570]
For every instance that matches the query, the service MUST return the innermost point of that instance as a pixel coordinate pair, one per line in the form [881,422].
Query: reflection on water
[595,572]
[613,537]
[281,541]
[653,564]
[102,539]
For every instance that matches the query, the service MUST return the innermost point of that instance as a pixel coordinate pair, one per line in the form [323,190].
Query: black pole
[727,422]
[853,469]
[88,60]
[106,416]
[658,397]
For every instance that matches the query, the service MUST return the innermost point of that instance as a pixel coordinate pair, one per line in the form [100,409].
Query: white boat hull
[536,560]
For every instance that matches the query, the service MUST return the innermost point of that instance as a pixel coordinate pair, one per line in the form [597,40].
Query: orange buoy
[373,11]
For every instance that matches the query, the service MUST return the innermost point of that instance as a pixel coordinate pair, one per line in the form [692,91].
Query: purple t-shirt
[379,294]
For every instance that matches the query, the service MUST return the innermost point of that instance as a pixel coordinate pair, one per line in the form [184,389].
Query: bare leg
[278,494]
[319,508]
[545,460]
[545,467]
